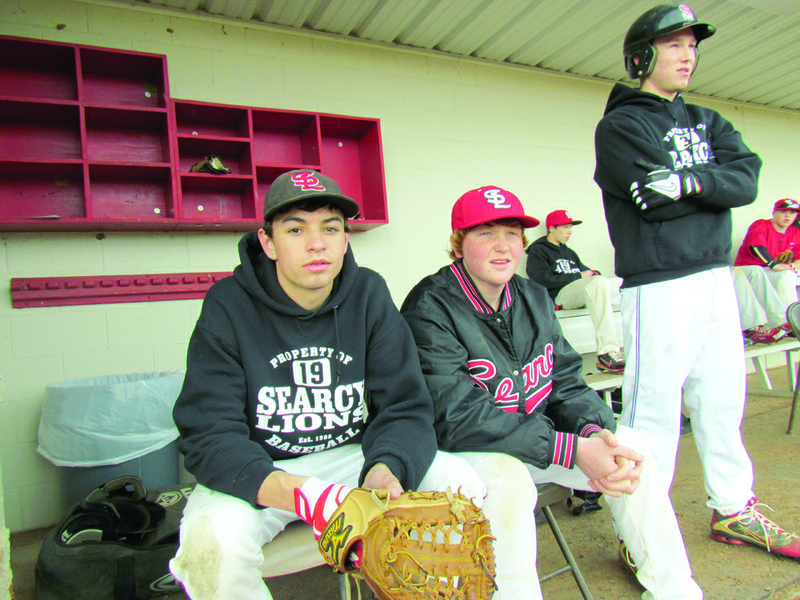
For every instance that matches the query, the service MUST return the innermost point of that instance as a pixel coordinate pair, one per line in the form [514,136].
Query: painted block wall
[448,125]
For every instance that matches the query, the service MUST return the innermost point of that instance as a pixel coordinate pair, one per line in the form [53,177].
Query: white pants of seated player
[221,537]
[770,295]
[645,520]
[758,300]
[596,294]
[684,334]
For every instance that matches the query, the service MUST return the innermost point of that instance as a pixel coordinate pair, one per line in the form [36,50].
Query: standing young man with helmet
[670,173]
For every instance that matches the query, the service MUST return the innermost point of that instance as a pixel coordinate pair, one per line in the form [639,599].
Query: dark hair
[308,205]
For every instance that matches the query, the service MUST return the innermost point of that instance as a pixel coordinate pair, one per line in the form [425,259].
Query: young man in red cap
[505,381]
[773,247]
[571,284]
[670,173]
[273,414]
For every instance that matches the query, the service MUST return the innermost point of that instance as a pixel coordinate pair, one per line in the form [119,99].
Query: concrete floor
[724,572]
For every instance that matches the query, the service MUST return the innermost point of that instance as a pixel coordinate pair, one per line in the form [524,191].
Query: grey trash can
[104,427]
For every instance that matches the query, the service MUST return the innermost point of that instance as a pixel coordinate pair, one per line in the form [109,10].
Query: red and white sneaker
[750,527]
[761,335]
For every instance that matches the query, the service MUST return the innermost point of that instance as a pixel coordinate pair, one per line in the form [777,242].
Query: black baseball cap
[302,184]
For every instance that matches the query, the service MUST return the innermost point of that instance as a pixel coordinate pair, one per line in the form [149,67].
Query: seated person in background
[504,380]
[762,311]
[771,245]
[302,382]
[572,284]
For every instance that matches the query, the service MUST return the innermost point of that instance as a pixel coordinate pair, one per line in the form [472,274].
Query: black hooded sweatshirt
[268,380]
[553,266]
[689,235]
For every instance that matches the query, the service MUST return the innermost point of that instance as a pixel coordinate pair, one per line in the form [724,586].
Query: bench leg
[758,363]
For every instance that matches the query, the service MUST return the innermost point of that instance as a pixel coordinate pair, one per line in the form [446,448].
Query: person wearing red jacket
[769,257]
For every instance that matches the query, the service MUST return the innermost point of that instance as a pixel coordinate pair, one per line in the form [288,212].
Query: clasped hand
[662,186]
[611,468]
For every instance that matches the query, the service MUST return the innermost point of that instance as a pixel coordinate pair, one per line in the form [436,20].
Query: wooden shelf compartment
[127,136]
[285,138]
[36,69]
[138,194]
[235,154]
[196,119]
[33,193]
[120,78]
[352,156]
[39,131]
[216,198]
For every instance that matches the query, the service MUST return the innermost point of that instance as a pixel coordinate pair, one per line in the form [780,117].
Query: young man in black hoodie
[571,284]
[302,382]
[670,173]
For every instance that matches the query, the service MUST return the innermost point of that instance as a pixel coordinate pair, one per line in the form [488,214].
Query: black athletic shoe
[613,361]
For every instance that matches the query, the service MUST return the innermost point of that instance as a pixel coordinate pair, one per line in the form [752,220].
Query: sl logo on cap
[307,180]
[688,13]
[496,197]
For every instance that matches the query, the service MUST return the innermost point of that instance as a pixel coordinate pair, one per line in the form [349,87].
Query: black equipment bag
[115,545]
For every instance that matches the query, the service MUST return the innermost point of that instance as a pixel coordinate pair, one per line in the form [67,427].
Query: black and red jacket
[501,381]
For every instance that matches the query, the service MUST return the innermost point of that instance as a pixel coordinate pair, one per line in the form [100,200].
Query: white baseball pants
[221,536]
[683,342]
[596,294]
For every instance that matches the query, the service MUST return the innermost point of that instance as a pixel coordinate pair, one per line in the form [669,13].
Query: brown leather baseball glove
[786,257]
[422,545]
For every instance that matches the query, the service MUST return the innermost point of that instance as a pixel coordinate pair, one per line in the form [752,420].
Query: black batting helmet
[656,22]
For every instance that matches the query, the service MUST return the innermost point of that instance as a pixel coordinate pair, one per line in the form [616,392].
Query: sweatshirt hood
[538,241]
[624,95]
[258,275]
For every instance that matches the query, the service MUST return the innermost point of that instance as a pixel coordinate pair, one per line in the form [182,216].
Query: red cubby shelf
[90,139]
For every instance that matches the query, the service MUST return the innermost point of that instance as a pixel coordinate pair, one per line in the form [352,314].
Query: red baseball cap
[787,204]
[560,217]
[486,204]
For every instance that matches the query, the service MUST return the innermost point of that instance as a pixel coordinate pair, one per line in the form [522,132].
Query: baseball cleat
[625,558]
[613,361]
[761,335]
[750,527]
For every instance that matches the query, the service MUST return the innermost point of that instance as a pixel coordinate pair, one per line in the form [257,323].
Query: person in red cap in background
[506,383]
[571,284]
[770,257]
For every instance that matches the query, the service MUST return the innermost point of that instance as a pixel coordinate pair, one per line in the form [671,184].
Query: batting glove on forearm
[663,186]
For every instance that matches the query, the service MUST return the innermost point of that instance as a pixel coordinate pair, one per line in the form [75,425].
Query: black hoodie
[268,380]
[553,266]
[690,235]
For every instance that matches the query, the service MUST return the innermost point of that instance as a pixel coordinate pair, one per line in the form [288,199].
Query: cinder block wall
[448,125]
